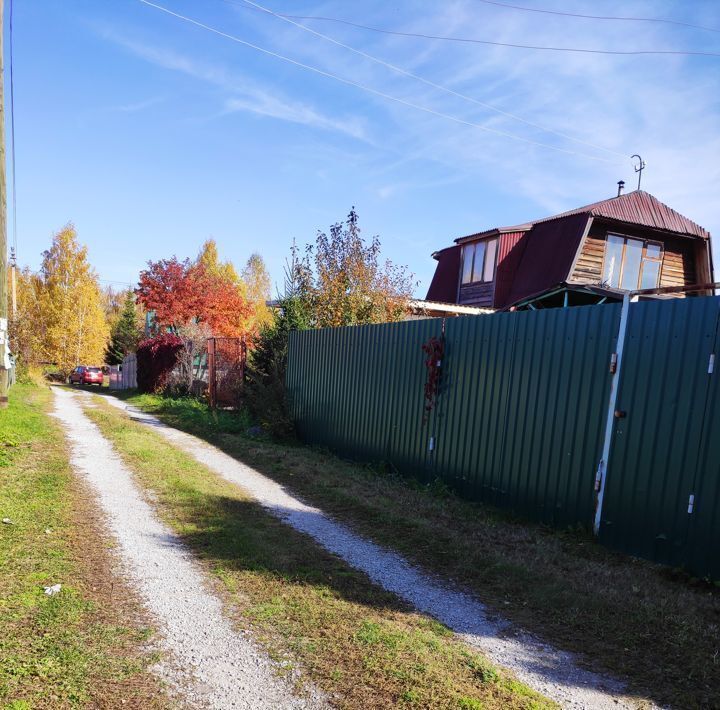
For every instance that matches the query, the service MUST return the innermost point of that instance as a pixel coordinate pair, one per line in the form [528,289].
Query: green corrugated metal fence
[519,423]
[520,418]
[666,448]
[360,390]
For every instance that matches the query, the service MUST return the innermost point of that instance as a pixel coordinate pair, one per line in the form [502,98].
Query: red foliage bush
[156,358]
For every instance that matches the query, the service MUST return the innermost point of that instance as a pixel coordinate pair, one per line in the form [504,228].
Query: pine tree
[125,333]
[265,394]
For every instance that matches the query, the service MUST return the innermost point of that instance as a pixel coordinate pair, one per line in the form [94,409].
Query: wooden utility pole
[4,344]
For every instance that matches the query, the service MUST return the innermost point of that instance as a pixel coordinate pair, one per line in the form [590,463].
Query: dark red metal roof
[640,208]
[444,285]
[510,252]
[494,232]
[636,207]
[550,249]
[543,250]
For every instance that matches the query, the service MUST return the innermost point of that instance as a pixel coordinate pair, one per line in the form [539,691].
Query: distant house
[597,252]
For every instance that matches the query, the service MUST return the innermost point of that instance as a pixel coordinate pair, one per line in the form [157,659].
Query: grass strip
[644,622]
[352,639]
[84,646]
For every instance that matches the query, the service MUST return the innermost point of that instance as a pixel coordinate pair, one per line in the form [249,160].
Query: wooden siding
[680,254]
[678,267]
[480,294]
[588,269]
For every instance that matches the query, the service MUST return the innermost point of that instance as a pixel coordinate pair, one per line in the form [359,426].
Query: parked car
[83,375]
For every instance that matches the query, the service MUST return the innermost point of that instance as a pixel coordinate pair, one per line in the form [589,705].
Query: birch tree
[70,307]
[257,287]
[26,325]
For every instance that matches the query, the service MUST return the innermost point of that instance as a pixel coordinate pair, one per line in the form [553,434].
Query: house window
[479,261]
[631,264]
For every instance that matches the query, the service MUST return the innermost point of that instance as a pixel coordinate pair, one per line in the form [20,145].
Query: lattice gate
[226,370]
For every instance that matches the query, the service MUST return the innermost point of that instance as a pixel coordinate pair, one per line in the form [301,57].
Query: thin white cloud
[264,104]
[662,107]
[136,106]
[241,93]
[665,108]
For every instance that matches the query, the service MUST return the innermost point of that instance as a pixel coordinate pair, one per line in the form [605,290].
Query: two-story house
[626,243]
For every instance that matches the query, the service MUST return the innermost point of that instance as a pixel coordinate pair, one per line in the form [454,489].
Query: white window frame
[643,259]
[477,274]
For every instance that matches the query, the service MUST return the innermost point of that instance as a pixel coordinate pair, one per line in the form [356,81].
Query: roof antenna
[639,167]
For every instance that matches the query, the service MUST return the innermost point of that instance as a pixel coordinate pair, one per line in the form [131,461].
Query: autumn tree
[113,301]
[209,258]
[256,279]
[171,290]
[69,305]
[182,293]
[125,333]
[344,281]
[226,311]
[253,285]
[26,325]
[338,280]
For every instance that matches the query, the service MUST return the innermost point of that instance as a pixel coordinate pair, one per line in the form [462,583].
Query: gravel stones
[209,664]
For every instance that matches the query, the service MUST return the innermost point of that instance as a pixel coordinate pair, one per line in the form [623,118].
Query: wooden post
[4,345]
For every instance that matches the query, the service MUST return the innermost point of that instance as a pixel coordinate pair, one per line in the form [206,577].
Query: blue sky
[152,134]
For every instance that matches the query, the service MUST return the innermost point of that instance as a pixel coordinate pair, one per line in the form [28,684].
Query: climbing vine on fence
[434,349]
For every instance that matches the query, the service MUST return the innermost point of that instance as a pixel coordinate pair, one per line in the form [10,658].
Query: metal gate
[520,417]
[226,370]
[662,493]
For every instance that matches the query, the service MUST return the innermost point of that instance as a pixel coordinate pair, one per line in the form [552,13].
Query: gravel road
[550,671]
[208,664]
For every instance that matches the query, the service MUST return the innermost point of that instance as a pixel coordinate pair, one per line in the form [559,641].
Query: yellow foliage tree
[253,285]
[257,288]
[26,325]
[340,280]
[70,305]
[210,259]
[113,301]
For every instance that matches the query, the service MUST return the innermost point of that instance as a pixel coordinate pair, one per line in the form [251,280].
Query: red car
[83,375]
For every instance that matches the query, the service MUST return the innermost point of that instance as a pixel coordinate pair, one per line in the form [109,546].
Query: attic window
[631,264]
[478,261]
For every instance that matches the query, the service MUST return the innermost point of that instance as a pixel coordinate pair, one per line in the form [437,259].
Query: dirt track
[207,663]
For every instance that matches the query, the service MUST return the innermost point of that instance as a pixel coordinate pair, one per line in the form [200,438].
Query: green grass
[643,622]
[193,413]
[71,649]
[351,638]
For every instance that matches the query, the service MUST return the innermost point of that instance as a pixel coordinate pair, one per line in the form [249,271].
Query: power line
[369,89]
[40,272]
[600,17]
[513,45]
[441,87]
[117,283]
